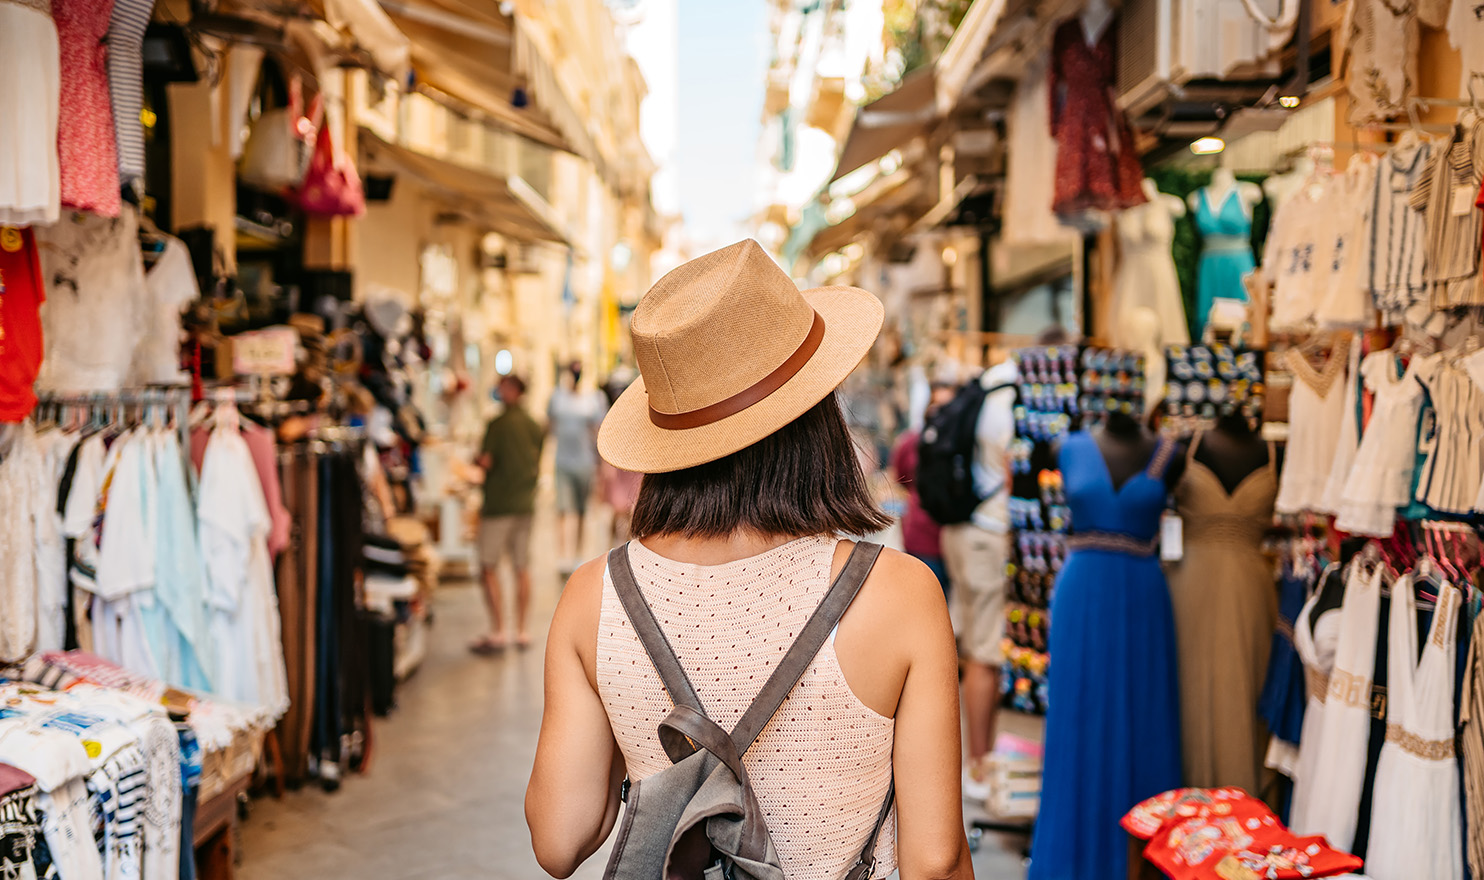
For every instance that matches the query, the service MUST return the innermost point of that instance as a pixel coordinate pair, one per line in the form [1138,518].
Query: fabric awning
[373,30]
[891,203]
[509,206]
[466,51]
[889,122]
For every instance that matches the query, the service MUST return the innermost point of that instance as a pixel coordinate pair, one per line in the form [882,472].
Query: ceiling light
[1288,102]
[1207,145]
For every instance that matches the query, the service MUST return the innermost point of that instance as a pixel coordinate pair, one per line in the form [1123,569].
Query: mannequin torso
[1233,451]
[1127,449]
[1223,184]
[1096,17]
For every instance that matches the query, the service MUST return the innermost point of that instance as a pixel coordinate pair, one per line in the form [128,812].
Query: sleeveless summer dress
[1225,607]
[1146,274]
[1113,723]
[1417,822]
[1315,638]
[1226,253]
[1332,764]
[822,765]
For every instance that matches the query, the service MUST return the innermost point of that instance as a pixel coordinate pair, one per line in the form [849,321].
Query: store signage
[267,352]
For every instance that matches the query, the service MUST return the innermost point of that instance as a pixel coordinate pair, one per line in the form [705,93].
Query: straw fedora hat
[729,351]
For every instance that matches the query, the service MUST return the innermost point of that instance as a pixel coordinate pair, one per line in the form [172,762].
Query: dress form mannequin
[1223,182]
[1096,16]
[1173,204]
[1127,448]
[1232,451]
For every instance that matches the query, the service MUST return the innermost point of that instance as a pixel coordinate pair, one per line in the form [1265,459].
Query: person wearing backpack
[740,691]
[963,480]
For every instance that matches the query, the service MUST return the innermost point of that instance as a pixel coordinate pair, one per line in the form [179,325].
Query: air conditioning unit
[1164,44]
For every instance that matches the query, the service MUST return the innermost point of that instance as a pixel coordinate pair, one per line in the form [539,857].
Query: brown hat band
[759,390]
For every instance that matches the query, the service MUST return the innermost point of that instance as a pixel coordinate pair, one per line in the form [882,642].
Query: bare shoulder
[575,624]
[900,586]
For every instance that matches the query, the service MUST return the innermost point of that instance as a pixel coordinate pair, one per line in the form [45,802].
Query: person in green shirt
[510,456]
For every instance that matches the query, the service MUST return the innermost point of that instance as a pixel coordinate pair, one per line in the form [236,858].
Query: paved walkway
[445,792]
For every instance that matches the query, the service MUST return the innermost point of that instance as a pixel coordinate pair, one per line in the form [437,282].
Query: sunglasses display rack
[1207,382]
[1062,388]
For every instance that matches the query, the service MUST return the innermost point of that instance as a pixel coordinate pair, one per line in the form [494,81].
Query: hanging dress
[1381,477]
[1283,699]
[1113,723]
[1226,253]
[1225,607]
[1347,442]
[1454,467]
[1446,193]
[1332,764]
[1315,409]
[1471,744]
[1398,234]
[1381,40]
[1146,273]
[1346,300]
[86,147]
[30,89]
[1417,822]
[1097,167]
[1316,639]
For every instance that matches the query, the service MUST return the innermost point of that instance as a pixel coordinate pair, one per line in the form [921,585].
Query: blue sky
[723,62]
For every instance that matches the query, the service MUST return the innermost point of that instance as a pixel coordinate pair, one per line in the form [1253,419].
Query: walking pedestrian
[921,535]
[511,458]
[749,482]
[573,416]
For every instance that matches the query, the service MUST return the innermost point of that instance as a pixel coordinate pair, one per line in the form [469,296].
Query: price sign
[267,352]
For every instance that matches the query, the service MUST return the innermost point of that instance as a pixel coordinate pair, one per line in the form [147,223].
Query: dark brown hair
[803,479]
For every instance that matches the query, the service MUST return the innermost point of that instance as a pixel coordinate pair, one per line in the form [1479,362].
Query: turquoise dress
[1226,254]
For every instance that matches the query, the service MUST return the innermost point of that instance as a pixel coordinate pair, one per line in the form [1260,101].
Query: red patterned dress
[86,146]
[1097,167]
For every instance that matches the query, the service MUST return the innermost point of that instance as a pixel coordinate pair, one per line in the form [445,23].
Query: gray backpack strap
[656,645]
[801,654]
[866,863]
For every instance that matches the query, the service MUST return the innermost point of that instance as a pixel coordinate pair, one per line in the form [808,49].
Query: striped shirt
[126,29]
[1398,233]
[1447,193]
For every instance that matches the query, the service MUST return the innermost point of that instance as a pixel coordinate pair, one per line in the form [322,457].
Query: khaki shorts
[975,559]
[501,536]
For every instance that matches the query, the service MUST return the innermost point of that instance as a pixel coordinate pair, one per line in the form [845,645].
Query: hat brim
[628,440]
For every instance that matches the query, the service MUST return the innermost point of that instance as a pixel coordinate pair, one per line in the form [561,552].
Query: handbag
[272,158]
[331,186]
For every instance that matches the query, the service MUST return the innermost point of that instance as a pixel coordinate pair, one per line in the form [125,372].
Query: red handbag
[331,186]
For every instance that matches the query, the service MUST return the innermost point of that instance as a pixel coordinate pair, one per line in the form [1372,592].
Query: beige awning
[887,206]
[889,122]
[509,206]
[465,51]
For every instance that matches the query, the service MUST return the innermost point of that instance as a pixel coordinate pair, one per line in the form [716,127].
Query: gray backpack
[698,819]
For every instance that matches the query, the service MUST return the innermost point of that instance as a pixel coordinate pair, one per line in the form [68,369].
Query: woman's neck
[713,550]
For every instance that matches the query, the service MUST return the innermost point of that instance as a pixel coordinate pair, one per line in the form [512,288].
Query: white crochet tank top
[822,765]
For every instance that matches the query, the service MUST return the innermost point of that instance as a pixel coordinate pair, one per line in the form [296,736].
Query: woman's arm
[572,800]
[902,606]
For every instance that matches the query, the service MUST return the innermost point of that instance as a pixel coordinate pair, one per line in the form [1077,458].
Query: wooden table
[216,831]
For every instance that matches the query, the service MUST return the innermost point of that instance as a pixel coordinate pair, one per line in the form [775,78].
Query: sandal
[486,646]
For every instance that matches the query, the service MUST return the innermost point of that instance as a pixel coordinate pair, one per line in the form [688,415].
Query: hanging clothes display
[1298,254]
[1381,477]
[169,286]
[1417,826]
[1381,40]
[1465,26]
[1345,301]
[1446,193]
[1225,608]
[1455,447]
[20,469]
[129,21]
[1284,697]
[1226,252]
[1398,233]
[1146,271]
[1031,156]
[94,314]
[30,93]
[1347,440]
[86,146]
[1332,760]
[21,294]
[1097,166]
[1113,725]
[1471,745]
[1315,406]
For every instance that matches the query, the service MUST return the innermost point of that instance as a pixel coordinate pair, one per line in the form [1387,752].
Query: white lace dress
[30,89]
[1332,764]
[1315,405]
[1316,641]
[1381,476]
[1416,818]
[1146,274]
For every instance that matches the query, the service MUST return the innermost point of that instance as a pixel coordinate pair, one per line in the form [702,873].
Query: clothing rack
[109,407]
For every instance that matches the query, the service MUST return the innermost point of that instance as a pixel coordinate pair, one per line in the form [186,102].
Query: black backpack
[945,456]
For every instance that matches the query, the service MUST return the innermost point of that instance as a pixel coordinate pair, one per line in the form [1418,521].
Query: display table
[216,830]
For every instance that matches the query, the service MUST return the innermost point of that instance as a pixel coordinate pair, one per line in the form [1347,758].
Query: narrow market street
[444,798]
